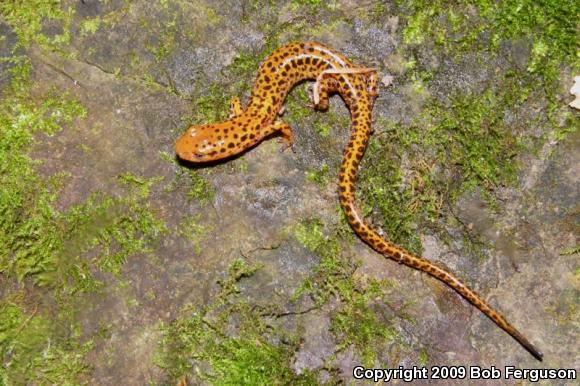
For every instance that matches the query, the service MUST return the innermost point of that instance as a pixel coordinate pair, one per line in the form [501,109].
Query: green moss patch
[33,350]
[355,321]
[49,260]
[28,18]
[470,140]
[202,346]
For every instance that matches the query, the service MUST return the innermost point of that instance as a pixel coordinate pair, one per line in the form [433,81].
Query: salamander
[358,86]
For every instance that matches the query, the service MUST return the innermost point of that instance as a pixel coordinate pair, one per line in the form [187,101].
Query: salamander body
[357,86]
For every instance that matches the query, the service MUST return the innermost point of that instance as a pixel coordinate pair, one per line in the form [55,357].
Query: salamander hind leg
[328,81]
[321,90]
[235,107]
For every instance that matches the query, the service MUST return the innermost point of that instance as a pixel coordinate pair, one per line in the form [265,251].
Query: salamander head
[204,143]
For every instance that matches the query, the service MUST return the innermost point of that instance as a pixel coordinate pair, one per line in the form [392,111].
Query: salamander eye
[194,131]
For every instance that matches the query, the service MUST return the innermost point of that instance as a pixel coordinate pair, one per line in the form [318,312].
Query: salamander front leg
[235,107]
[287,136]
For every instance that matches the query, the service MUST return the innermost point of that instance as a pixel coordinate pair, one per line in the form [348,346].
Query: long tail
[353,153]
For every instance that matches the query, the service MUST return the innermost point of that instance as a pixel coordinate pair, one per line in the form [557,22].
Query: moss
[357,322]
[310,235]
[238,269]
[309,2]
[354,321]
[116,228]
[49,248]
[423,358]
[477,136]
[191,229]
[248,359]
[297,105]
[484,26]
[200,190]
[319,176]
[461,25]
[165,41]
[30,231]
[246,64]
[212,106]
[141,187]
[472,135]
[565,309]
[199,347]
[468,134]
[28,18]
[383,187]
[90,26]
[569,251]
[34,352]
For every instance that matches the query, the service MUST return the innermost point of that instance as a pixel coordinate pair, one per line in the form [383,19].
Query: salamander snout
[201,143]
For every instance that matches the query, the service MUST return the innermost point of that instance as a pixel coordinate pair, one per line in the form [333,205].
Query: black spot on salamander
[244,137]
[231,145]
[307,60]
[267,79]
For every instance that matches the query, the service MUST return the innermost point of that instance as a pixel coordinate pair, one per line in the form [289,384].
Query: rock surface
[140,76]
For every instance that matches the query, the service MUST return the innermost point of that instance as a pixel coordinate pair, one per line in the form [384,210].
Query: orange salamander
[357,86]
